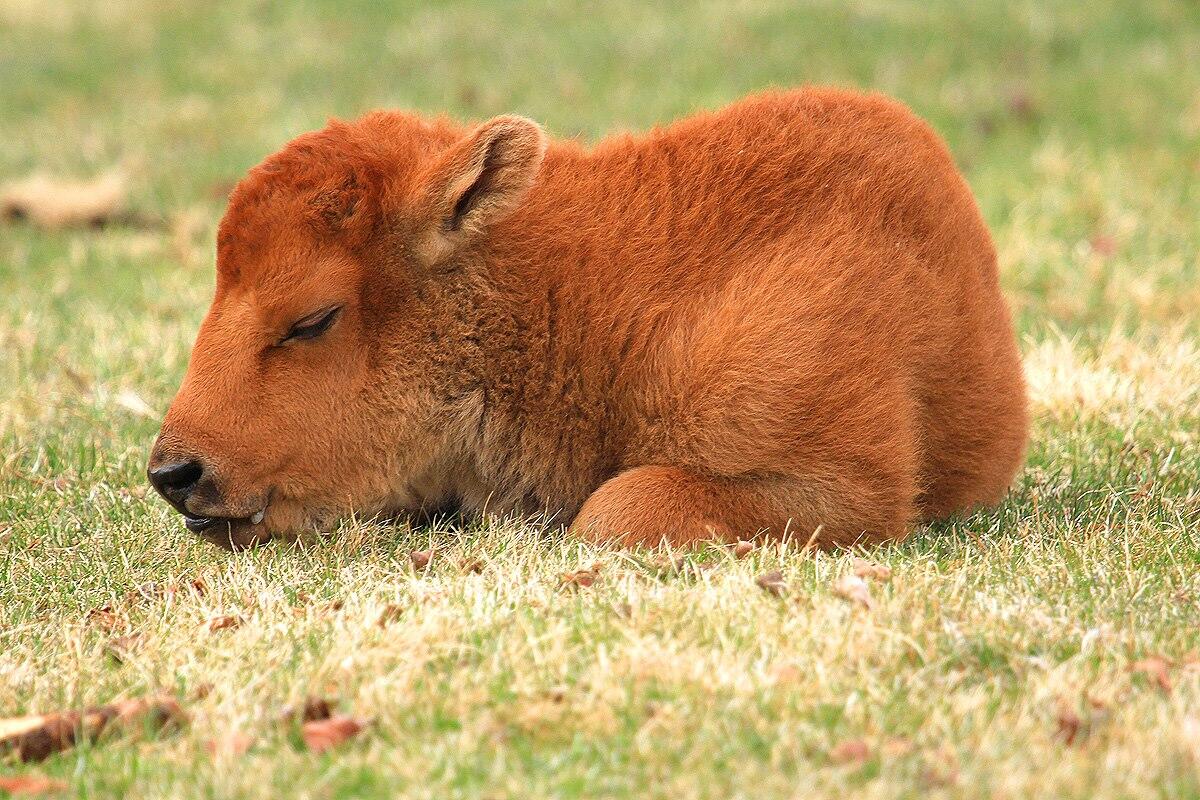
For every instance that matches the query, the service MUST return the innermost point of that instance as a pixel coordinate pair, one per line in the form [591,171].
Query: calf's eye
[313,325]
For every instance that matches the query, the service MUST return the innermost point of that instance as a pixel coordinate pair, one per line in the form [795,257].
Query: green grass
[1077,125]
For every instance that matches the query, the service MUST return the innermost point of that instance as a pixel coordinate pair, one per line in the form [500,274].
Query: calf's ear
[480,180]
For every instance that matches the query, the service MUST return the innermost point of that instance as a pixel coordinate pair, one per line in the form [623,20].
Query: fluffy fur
[782,317]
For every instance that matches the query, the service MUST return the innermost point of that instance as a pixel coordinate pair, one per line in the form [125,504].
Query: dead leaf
[472,566]
[104,618]
[228,745]
[35,737]
[787,673]
[82,382]
[897,747]
[1068,723]
[323,735]
[30,785]
[421,558]
[871,570]
[57,203]
[772,583]
[579,578]
[742,549]
[311,710]
[390,614]
[1103,245]
[224,622]
[854,590]
[934,776]
[850,751]
[120,648]
[1022,105]
[1156,669]
[157,713]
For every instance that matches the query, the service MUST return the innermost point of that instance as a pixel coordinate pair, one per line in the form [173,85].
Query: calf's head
[318,383]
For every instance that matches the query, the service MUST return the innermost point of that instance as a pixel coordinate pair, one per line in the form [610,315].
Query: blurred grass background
[1074,122]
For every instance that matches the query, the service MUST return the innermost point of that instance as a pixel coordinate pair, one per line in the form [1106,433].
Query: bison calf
[782,317]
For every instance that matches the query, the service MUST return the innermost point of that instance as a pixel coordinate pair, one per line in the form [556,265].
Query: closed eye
[312,326]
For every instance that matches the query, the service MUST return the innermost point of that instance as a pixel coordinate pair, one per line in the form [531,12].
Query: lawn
[1049,647]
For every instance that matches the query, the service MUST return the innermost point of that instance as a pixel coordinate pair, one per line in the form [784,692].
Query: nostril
[176,481]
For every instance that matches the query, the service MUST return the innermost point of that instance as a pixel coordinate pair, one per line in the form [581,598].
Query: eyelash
[304,330]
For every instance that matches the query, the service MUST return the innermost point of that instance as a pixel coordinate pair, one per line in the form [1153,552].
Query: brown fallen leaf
[1156,669]
[390,613]
[1068,723]
[1103,245]
[579,578]
[57,203]
[850,751]
[935,776]
[772,582]
[854,590]
[83,383]
[156,713]
[311,710]
[34,737]
[421,558]
[323,735]
[120,648]
[1022,105]
[224,622]
[871,570]
[105,618]
[202,690]
[30,785]
[228,745]
[743,549]
[787,673]
[472,566]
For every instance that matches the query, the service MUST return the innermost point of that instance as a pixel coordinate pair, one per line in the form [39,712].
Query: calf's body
[783,317]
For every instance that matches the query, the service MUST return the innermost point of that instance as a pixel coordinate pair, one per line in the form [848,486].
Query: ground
[1043,648]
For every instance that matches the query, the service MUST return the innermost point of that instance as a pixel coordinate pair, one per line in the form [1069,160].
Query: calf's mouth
[199,524]
[231,533]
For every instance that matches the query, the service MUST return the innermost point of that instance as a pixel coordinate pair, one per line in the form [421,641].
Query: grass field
[1001,659]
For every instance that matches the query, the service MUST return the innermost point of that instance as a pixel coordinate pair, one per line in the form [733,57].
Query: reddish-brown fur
[779,317]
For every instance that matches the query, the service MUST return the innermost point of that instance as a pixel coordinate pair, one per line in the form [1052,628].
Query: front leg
[655,504]
[651,505]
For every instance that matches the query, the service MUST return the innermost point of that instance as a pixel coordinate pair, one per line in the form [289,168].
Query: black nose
[175,481]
